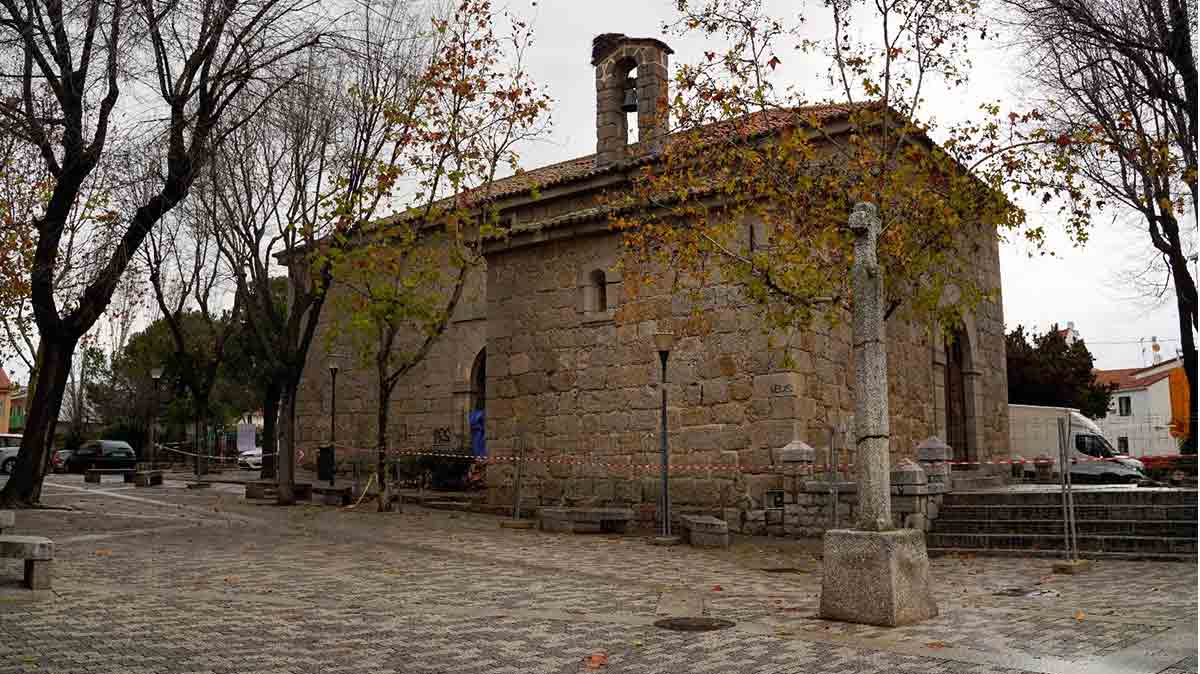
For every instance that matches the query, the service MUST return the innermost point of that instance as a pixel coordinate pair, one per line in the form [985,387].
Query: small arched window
[599,290]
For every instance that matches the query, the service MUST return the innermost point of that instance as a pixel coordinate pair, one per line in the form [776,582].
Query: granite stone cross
[870,376]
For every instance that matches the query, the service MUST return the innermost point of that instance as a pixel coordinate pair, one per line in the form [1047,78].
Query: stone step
[1081,497]
[969,481]
[1108,527]
[1058,554]
[1089,543]
[1054,512]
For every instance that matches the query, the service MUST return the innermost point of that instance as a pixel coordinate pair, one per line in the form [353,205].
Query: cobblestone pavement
[175,580]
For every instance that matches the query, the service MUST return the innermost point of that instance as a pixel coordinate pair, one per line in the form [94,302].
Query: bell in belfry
[630,104]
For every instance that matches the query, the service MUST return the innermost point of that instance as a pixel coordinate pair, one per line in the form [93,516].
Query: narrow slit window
[600,290]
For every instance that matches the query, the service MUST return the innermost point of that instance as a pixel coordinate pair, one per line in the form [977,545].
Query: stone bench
[38,554]
[337,496]
[585,520]
[261,489]
[93,475]
[704,531]
[269,489]
[147,478]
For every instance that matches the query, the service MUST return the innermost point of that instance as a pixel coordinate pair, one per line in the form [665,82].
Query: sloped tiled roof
[583,167]
[1127,379]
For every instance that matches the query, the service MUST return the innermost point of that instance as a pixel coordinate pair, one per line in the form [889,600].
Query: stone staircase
[1110,523]
[971,480]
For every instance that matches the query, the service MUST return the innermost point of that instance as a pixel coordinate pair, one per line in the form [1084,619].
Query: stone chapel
[561,359]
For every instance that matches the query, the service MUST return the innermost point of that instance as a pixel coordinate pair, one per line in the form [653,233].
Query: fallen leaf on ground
[1080,615]
[936,644]
[103,552]
[717,588]
[596,660]
[231,579]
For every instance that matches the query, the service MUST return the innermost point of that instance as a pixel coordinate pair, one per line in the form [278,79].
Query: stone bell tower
[616,57]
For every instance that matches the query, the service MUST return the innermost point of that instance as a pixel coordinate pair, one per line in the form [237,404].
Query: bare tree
[1119,77]
[191,66]
[188,277]
[320,161]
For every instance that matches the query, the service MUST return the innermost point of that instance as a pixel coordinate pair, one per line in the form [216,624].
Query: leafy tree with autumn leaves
[756,183]
[402,278]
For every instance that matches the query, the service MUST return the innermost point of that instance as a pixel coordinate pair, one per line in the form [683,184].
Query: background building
[1148,414]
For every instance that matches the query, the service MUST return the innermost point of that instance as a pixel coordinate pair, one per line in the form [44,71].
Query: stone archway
[955,392]
[957,395]
[479,381]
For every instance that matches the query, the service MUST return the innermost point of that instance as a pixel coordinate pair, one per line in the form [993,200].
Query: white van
[10,444]
[1033,432]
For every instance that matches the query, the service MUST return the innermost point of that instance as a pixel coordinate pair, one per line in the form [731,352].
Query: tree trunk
[270,444]
[285,468]
[381,445]
[24,487]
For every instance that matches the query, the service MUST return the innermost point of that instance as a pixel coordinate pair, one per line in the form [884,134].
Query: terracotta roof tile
[582,167]
[1127,380]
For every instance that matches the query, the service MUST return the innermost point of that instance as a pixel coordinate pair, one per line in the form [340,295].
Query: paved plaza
[175,580]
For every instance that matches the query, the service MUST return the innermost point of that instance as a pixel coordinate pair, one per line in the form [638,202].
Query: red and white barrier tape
[694,466]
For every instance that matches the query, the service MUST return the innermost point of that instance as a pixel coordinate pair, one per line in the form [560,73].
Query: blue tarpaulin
[478,435]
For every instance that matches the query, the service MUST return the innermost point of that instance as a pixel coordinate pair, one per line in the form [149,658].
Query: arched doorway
[956,395]
[479,381]
[477,416]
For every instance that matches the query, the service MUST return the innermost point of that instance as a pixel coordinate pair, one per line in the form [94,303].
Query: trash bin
[1018,467]
[1044,469]
[325,464]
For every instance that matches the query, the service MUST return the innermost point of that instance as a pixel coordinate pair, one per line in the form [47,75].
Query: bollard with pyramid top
[875,573]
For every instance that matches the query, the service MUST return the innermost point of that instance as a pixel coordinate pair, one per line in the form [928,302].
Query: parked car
[251,459]
[58,459]
[10,444]
[100,454]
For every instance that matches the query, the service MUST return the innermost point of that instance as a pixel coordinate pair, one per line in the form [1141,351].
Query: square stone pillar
[876,577]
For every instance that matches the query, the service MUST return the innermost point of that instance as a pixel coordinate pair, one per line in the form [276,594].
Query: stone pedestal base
[1073,566]
[876,577]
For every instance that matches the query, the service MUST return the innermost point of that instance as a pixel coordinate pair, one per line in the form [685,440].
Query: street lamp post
[155,374]
[663,341]
[333,372]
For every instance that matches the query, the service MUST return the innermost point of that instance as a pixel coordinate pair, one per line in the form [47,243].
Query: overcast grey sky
[1077,284]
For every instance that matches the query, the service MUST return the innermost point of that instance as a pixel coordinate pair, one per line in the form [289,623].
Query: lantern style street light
[156,374]
[663,341]
[333,372]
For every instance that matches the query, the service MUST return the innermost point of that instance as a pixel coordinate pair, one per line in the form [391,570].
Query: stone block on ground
[585,519]
[37,574]
[704,531]
[261,489]
[876,578]
[334,496]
